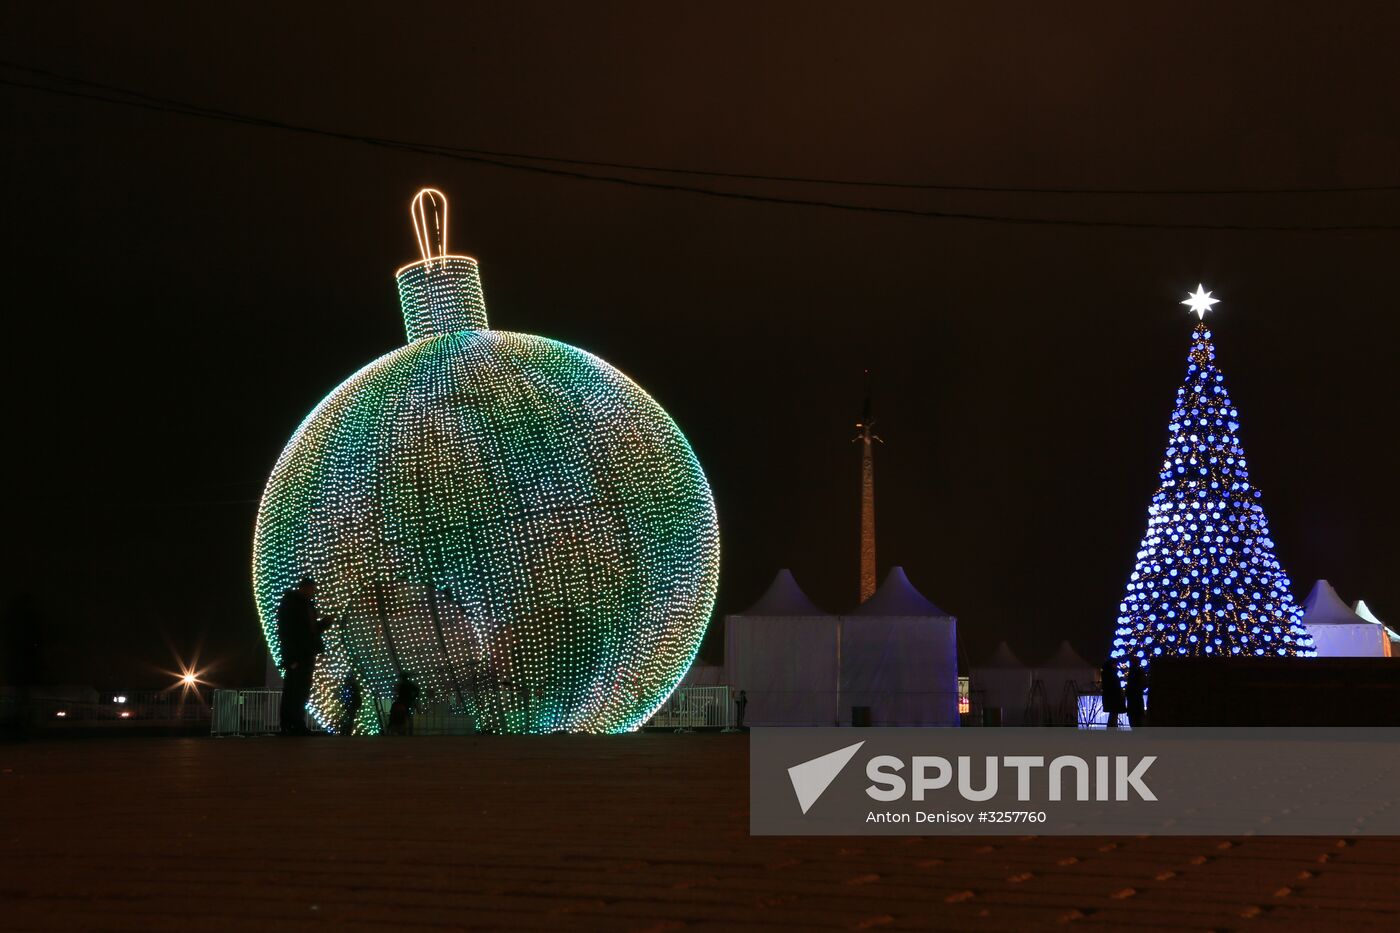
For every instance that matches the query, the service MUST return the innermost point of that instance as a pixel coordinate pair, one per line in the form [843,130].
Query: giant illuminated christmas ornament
[505,520]
[1207,581]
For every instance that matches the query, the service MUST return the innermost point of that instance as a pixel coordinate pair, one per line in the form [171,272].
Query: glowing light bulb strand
[429,213]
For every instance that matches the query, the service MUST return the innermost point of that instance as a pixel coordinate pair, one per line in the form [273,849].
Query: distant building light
[119,698]
[61,713]
[126,714]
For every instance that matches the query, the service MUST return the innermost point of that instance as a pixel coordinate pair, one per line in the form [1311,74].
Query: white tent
[898,597]
[1062,676]
[1337,631]
[1392,637]
[782,651]
[899,658]
[1364,611]
[1005,684]
[896,655]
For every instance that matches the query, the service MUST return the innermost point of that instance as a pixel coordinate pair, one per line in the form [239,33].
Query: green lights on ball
[506,520]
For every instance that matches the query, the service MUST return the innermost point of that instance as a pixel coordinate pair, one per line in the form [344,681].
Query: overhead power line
[793,179]
[118,96]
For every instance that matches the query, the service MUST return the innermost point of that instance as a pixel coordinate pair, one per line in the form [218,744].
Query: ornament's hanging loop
[439,293]
[429,214]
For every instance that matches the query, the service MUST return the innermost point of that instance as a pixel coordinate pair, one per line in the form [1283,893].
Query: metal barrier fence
[258,712]
[246,712]
[695,708]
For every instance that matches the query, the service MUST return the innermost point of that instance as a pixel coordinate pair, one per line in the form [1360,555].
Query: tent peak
[1066,657]
[898,597]
[1003,657]
[784,598]
[1364,611]
[1324,607]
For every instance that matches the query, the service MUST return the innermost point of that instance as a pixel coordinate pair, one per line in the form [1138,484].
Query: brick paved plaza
[638,832]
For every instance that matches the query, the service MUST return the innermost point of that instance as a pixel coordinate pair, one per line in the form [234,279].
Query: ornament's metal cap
[440,293]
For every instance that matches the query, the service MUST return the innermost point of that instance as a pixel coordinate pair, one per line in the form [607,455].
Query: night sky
[181,292]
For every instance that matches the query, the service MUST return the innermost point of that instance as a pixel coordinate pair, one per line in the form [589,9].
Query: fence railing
[246,712]
[695,708]
[1092,715]
[258,712]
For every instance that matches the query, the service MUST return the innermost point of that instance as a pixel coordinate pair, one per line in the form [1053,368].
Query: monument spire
[867,437]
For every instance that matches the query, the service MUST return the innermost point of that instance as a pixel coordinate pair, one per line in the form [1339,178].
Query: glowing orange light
[189,676]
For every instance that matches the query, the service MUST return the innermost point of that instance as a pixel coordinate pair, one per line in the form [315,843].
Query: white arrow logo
[811,778]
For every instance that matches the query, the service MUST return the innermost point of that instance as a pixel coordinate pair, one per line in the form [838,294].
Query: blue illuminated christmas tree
[1207,581]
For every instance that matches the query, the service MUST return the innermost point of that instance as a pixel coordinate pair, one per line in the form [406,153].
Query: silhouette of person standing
[299,631]
[741,703]
[1113,703]
[1137,693]
[405,705]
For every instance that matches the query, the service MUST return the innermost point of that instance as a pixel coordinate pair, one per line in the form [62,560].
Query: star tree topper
[1200,301]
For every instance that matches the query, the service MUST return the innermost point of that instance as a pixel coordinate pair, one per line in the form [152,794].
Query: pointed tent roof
[1066,658]
[897,597]
[1002,657]
[1364,611]
[1324,607]
[783,598]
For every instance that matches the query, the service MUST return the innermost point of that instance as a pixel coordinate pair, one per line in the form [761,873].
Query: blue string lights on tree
[505,520]
[1207,581]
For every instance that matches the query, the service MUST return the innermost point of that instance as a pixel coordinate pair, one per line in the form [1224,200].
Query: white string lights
[504,519]
[1207,580]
